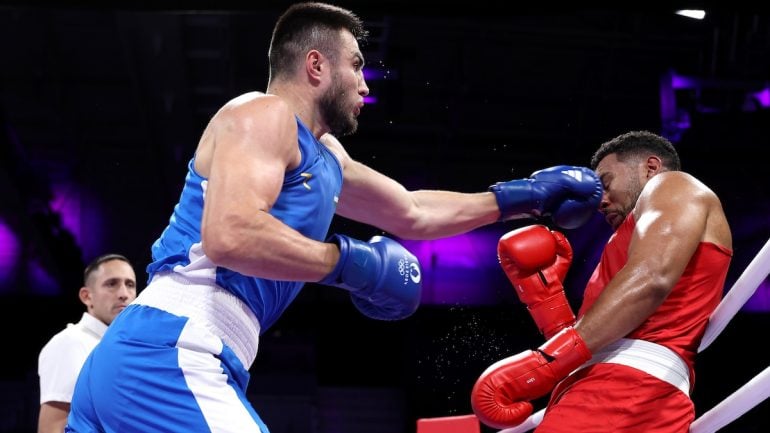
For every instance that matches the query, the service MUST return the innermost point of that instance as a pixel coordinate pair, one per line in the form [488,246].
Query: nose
[605,203]
[363,89]
[125,292]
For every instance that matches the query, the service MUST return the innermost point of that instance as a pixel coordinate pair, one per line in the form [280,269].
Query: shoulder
[249,120]
[333,144]
[63,340]
[678,184]
[257,99]
[676,191]
[255,109]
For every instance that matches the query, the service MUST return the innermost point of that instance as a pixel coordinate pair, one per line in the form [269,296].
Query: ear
[85,296]
[315,63]
[654,166]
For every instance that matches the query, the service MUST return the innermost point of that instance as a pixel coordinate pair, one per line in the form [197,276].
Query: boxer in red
[627,362]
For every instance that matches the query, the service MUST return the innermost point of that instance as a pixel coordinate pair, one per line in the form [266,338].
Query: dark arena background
[101,107]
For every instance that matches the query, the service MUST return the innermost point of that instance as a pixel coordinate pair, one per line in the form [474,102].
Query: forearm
[265,247]
[422,214]
[445,213]
[568,194]
[622,307]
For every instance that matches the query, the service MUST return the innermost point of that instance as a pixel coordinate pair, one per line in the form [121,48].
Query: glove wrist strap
[552,314]
[568,351]
[514,198]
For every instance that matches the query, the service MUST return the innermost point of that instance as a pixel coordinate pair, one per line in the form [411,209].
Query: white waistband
[651,358]
[208,305]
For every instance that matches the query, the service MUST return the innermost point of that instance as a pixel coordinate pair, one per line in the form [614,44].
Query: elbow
[219,245]
[649,281]
[411,229]
[659,290]
[412,224]
[659,294]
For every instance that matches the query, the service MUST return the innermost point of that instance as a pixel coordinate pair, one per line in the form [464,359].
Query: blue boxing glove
[382,276]
[566,193]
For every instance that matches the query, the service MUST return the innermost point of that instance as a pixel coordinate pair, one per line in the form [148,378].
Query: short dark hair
[309,25]
[95,263]
[635,143]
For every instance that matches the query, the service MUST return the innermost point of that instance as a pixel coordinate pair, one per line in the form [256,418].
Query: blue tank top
[307,203]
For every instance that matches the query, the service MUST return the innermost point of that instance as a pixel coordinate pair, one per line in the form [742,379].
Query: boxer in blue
[251,227]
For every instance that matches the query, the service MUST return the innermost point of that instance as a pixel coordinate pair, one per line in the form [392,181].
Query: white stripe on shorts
[219,403]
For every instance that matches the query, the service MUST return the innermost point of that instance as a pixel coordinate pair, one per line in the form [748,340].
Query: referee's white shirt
[61,359]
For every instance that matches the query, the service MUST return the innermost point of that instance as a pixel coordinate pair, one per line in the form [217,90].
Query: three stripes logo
[577,174]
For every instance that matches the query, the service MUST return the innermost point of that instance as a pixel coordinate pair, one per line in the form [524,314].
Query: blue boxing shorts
[154,371]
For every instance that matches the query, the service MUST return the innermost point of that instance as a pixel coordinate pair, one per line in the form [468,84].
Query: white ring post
[728,410]
[742,289]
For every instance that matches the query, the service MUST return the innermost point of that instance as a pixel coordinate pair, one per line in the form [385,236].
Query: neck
[302,105]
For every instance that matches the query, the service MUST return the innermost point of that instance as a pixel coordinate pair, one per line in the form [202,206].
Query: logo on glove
[413,273]
[577,174]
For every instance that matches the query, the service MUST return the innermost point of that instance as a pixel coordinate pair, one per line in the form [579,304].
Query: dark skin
[667,205]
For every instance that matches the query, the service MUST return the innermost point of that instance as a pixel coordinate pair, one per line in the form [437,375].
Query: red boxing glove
[500,397]
[536,260]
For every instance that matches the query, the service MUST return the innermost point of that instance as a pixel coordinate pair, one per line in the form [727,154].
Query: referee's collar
[93,325]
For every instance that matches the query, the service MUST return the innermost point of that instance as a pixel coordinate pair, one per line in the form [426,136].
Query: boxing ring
[728,410]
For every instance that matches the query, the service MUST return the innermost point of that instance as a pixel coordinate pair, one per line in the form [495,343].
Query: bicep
[367,195]
[248,164]
[371,197]
[670,224]
[246,172]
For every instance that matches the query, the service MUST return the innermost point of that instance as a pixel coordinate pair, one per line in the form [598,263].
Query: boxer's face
[622,186]
[342,101]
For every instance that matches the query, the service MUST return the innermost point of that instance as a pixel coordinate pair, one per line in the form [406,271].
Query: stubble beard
[339,118]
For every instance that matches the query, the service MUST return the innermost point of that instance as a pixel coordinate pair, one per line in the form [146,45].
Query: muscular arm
[53,417]
[244,154]
[671,216]
[373,198]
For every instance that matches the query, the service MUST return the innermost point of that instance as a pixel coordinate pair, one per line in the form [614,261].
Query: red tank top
[680,322]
